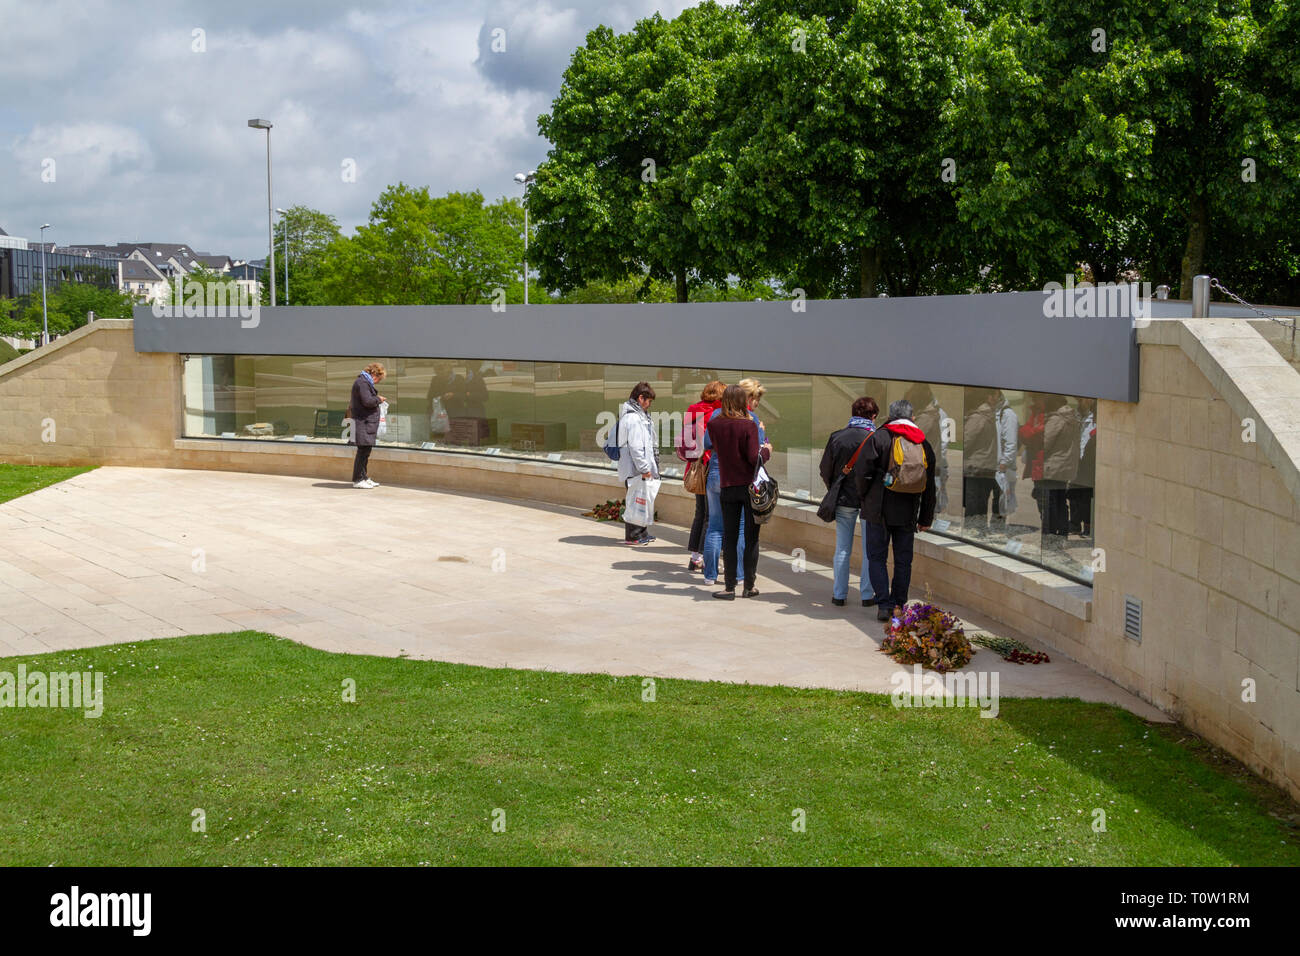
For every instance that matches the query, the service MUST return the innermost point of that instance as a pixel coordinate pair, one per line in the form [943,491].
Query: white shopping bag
[439,422]
[1007,499]
[639,509]
[383,420]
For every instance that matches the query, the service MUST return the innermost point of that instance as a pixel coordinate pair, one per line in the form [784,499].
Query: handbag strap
[853,461]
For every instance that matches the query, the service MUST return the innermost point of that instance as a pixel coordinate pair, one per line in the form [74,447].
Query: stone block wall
[1199,521]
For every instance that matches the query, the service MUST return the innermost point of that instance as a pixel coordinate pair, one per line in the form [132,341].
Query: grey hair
[900,409]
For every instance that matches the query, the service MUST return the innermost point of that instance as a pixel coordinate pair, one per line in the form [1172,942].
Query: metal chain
[1281,320]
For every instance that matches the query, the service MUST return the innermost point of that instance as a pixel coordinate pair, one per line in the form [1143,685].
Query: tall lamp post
[283,214]
[526,180]
[45,311]
[270,233]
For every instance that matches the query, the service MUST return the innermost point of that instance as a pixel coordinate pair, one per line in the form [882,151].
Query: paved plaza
[128,554]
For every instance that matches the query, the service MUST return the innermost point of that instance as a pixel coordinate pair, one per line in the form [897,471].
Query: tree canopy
[854,147]
[420,249]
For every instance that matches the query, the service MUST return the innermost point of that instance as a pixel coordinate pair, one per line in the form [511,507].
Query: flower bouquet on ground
[924,634]
[1017,652]
[611,510]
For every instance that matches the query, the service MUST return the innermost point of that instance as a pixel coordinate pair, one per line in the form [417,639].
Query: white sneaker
[371,483]
[364,483]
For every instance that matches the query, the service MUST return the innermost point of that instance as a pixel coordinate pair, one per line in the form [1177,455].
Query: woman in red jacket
[1031,440]
[733,436]
[692,448]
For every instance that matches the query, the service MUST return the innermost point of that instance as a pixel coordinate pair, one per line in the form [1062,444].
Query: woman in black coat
[363,409]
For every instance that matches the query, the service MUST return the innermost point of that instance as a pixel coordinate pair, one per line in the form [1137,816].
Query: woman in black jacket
[733,436]
[363,409]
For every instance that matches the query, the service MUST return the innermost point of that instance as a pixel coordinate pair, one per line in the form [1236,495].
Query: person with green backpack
[894,476]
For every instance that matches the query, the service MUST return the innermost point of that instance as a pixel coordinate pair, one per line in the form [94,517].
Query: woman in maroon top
[733,437]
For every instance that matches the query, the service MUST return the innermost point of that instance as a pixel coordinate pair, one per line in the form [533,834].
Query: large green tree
[831,168]
[613,198]
[310,233]
[419,249]
[1114,135]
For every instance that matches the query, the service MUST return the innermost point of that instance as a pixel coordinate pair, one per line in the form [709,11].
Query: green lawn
[18,480]
[254,730]
[7,352]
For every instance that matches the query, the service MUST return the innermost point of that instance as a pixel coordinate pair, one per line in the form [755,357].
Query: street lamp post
[283,214]
[525,180]
[270,233]
[45,311]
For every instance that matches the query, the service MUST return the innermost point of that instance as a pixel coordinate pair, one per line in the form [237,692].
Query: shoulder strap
[852,461]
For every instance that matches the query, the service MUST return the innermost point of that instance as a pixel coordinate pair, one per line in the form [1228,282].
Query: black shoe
[871,602]
[838,602]
[750,592]
[725,595]
[882,612]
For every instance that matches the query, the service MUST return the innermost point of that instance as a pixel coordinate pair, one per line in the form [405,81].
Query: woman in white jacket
[639,457]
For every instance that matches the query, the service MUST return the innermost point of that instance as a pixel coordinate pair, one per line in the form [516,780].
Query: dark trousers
[879,538]
[1079,498]
[700,524]
[975,492]
[1054,506]
[735,507]
[359,463]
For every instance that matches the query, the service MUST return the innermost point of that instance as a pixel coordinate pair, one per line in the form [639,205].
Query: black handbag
[762,495]
[826,510]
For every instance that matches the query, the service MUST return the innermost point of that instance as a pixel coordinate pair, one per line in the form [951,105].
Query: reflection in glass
[1015,470]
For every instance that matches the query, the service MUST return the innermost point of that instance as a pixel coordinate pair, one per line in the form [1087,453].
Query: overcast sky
[148,135]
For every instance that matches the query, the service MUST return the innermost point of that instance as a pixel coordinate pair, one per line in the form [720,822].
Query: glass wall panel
[1015,471]
[785,412]
[287,391]
[570,397]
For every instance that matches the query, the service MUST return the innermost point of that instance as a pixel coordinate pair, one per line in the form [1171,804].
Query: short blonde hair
[754,388]
[376,368]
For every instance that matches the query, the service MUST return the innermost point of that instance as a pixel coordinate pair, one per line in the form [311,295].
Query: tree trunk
[1198,225]
[868,270]
[681,285]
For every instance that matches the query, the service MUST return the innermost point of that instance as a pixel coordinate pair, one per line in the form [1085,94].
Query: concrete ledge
[45,351]
[1252,377]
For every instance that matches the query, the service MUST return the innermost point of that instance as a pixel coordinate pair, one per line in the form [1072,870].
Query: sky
[126,120]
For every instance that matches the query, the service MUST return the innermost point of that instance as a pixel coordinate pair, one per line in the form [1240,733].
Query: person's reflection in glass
[929,417]
[463,394]
[1061,443]
[1079,494]
[989,449]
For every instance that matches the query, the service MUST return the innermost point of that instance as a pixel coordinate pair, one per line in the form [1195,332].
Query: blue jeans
[845,519]
[713,536]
